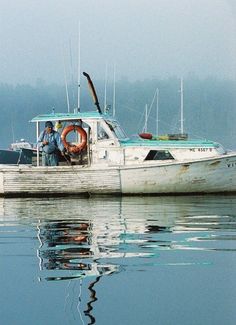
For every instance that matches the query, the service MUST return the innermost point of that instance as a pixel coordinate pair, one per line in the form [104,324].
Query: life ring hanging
[74,148]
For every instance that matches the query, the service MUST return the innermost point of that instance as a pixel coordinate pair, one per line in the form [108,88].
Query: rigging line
[143,112]
[73,169]
[150,107]
[132,110]
[174,126]
[152,102]
[141,119]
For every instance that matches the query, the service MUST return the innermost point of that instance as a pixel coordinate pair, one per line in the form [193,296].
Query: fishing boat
[101,159]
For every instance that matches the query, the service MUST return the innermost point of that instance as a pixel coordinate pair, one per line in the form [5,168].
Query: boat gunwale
[78,168]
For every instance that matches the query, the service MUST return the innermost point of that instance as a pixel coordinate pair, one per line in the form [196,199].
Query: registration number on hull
[200,149]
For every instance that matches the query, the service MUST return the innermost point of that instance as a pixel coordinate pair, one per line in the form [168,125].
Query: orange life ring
[74,148]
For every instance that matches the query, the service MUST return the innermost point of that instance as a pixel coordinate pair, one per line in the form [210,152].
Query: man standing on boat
[50,142]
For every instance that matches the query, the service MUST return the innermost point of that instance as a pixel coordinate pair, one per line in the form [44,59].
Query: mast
[66,85]
[114,91]
[105,90]
[181,106]
[146,118]
[72,78]
[157,111]
[37,136]
[79,81]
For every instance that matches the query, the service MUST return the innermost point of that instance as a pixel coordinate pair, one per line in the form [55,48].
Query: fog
[143,39]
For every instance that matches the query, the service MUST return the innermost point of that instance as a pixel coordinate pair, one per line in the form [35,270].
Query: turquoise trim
[70,116]
[169,143]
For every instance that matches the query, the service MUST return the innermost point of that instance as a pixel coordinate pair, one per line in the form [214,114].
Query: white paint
[1,182]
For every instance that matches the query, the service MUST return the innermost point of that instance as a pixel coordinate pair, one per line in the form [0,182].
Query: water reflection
[71,246]
[81,238]
[92,237]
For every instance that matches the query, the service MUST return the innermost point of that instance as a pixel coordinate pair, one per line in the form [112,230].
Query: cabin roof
[70,116]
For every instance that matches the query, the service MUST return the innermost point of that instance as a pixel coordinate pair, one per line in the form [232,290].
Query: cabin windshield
[115,128]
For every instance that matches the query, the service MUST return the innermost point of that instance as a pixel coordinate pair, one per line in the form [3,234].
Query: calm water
[118,261]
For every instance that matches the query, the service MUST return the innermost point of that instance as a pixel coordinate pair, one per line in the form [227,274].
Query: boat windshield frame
[115,128]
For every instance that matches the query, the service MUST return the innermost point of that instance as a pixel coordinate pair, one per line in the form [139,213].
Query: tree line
[209,107]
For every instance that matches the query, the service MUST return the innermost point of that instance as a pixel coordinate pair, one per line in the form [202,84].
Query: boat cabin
[90,135]
[97,139]
[22,144]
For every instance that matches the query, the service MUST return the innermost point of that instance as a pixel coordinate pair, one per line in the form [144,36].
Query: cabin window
[102,134]
[159,155]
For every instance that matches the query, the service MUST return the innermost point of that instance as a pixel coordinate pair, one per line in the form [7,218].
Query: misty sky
[144,38]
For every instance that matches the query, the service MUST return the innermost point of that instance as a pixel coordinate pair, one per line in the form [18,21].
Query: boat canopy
[71,117]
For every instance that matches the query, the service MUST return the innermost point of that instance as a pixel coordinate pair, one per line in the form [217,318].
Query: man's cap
[48,124]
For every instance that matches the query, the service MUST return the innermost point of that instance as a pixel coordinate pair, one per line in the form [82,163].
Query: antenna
[157,110]
[146,118]
[78,107]
[105,90]
[72,77]
[181,106]
[67,94]
[114,91]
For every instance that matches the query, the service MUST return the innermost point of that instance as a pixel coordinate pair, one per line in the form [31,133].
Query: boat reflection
[86,239]
[71,246]
[101,236]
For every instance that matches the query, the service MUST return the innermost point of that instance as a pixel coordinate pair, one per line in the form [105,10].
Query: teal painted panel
[69,116]
[169,143]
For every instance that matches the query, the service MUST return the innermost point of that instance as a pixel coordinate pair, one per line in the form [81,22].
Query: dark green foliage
[209,107]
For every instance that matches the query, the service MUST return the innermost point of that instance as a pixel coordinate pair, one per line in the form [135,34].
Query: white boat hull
[204,176]
[28,180]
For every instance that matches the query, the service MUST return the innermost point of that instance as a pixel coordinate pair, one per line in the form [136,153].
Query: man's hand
[63,152]
[45,143]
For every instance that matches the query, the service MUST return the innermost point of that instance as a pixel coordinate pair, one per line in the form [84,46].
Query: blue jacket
[54,141]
